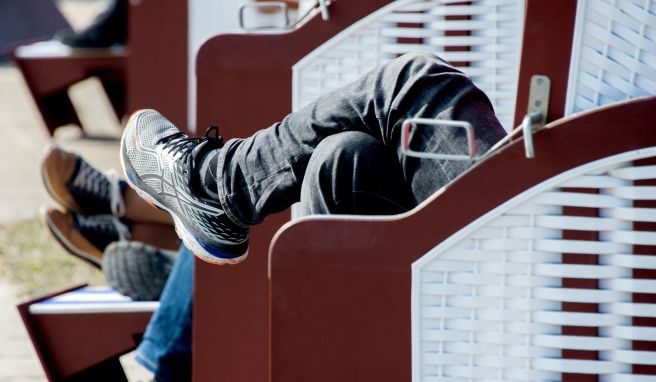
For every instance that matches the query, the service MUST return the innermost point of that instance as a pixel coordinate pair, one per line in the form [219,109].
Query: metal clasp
[323,5]
[538,106]
[408,124]
[264,4]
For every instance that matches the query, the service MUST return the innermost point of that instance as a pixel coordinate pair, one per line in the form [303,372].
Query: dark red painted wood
[546,50]
[243,85]
[341,287]
[157,66]
[28,20]
[150,73]
[68,344]
[48,79]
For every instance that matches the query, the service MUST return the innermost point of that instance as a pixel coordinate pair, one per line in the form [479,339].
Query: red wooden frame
[132,77]
[546,50]
[62,341]
[341,304]
[157,69]
[243,85]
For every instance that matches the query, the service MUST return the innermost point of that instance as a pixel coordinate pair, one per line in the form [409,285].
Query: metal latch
[261,5]
[536,114]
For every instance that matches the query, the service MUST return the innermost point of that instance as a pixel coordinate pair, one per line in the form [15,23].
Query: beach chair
[523,268]
[243,85]
[157,32]
[231,306]
[111,325]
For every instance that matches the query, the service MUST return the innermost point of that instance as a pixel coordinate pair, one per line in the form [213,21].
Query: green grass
[36,265]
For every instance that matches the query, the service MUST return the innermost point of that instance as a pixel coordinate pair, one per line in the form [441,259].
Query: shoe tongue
[203,148]
[203,180]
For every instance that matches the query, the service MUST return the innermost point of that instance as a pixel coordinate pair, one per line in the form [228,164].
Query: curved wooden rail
[340,287]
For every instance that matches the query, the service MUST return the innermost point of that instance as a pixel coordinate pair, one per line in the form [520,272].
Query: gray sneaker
[161,164]
[137,270]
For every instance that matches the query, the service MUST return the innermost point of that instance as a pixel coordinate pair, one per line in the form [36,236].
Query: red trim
[341,287]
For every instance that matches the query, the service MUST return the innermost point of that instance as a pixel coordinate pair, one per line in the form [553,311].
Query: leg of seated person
[166,346]
[354,173]
[270,165]
[370,182]
[217,193]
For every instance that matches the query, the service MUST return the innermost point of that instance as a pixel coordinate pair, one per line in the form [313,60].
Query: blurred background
[47,86]
[31,263]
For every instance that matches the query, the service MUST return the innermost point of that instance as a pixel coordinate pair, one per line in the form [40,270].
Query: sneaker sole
[66,244]
[187,237]
[136,270]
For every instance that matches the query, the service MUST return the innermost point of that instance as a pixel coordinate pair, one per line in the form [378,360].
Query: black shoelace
[180,143]
[97,192]
[101,229]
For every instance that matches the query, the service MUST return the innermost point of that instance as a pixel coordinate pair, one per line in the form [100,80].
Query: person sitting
[339,155]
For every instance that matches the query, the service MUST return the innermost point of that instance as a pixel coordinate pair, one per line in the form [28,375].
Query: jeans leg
[166,347]
[263,174]
[354,173]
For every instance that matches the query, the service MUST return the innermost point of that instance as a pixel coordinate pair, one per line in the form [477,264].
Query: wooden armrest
[50,68]
[341,287]
[79,335]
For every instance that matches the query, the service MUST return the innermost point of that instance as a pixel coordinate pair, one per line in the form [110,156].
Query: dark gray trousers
[342,153]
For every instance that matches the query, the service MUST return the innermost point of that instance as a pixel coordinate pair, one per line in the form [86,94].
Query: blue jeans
[340,155]
[166,346]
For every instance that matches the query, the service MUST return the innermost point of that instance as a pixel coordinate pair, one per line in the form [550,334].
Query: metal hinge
[536,114]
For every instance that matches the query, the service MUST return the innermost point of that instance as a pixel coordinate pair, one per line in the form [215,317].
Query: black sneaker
[161,164]
[107,30]
[80,187]
[85,236]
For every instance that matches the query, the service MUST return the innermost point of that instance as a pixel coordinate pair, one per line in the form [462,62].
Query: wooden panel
[49,76]
[62,341]
[244,84]
[157,66]
[341,287]
[546,50]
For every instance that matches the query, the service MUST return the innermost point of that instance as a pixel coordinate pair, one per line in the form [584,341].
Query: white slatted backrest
[614,53]
[486,303]
[491,58]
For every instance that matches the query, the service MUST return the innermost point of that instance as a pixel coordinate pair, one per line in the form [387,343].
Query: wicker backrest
[561,279]
[491,302]
[481,38]
[614,55]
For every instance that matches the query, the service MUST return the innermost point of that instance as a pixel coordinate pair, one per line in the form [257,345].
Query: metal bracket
[264,4]
[323,5]
[409,123]
[536,114]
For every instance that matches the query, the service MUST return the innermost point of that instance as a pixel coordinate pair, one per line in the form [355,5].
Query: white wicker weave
[487,302]
[615,52]
[490,56]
